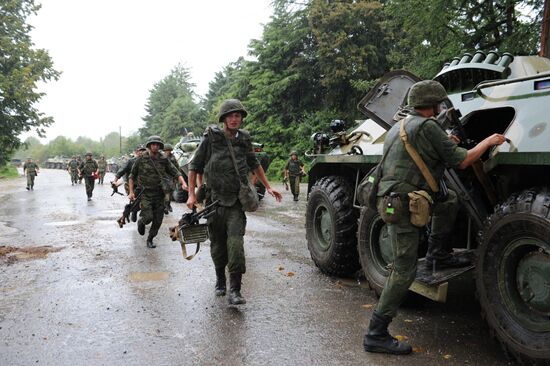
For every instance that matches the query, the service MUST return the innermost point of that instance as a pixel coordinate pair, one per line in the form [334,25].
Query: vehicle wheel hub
[323,227]
[533,281]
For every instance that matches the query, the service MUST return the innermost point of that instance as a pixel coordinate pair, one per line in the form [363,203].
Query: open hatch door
[384,100]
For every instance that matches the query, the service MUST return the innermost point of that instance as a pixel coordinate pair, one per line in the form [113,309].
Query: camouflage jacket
[126,169]
[399,171]
[174,162]
[294,167]
[213,158]
[30,168]
[88,167]
[146,170]
[102,165]
[73,165]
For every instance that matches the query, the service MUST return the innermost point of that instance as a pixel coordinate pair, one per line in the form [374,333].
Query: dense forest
[317,58]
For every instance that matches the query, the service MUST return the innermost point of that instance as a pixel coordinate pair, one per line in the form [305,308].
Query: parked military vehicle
[505,199]
[58,162]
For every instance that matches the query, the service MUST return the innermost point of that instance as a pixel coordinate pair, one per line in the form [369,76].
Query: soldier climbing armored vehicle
[504,216]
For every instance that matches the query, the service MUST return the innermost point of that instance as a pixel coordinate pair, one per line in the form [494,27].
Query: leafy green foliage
[21,68]
[171,109]
[8,171]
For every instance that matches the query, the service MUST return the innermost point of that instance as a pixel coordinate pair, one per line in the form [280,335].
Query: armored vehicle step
[434,284]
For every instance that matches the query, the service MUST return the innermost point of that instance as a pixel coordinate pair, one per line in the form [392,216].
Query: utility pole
[545,34]
[120,139]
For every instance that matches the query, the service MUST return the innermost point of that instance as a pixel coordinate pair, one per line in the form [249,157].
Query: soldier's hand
[132,196]
[191,201]
[275,194]
[454,138]
[495,139]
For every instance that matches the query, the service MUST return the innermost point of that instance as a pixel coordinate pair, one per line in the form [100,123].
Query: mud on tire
[331,224]
[512,276]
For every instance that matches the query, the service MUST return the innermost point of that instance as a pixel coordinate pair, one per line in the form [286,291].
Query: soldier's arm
[259,171]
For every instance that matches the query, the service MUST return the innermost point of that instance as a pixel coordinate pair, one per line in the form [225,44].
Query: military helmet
[426,93]
[140,147]
[294,153]
[168,147]
[88,153]
[230,106]
[154,139]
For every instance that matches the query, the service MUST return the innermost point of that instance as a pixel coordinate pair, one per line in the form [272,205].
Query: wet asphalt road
[100,297]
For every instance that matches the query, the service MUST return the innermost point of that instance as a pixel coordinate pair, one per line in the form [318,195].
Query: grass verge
[8,171]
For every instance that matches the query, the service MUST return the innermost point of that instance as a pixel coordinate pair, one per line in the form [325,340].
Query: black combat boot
[379,340]
[220,282]
[235,297]
[439,257]
[141,227]
[150,243]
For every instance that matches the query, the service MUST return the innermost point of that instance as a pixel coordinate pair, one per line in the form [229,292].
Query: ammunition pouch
[391,207]
[368,187]
[420,208]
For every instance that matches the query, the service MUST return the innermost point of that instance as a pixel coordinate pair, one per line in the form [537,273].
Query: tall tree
[171,109]
[21,67]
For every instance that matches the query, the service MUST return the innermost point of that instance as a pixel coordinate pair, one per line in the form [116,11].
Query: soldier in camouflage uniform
[294,171]
[72,168]
[79,161]
[102,168]
[31,170]
[148,171]
[168,195]
[400,175]
[227,226]
[87,170]
[127,168]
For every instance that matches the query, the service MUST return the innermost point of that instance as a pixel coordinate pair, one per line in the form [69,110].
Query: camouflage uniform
[400,174]
[294,168]
[79,161]
[172,184]
[72,167]
[125,172]
[102,168]
[152,199]
[87,168]
[31,170]
[227,226]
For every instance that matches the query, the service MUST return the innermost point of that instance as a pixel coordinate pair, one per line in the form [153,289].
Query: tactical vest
[102,165]
[31,168]
[88,167]
[399,168]
[219,172]
[294,167]
[73,165]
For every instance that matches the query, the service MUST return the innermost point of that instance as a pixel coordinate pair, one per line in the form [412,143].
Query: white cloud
[111,53]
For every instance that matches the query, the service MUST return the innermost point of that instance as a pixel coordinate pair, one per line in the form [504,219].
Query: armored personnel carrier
[504,221]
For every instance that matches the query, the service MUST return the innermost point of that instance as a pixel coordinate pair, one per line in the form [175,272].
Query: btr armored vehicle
[504,221]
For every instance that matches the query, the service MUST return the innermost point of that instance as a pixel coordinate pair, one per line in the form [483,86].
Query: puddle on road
[63,223]
[148,276]
[14,254]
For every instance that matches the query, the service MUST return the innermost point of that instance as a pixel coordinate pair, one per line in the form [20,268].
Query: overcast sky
[111,53]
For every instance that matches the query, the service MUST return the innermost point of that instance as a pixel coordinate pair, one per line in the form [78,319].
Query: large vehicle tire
[375,253]
[513,276]
[331,224]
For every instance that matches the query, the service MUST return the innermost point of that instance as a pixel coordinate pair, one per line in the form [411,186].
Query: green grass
[8,171]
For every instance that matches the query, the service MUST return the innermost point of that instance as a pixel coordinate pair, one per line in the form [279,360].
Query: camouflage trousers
[101,176]
[152,210]
[227,228]
[30,180]
[74,176]
[294,182]
[90,182]
[404,238]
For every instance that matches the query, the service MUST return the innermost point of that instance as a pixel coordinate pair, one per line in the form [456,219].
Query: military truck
[57,162]
[504,220]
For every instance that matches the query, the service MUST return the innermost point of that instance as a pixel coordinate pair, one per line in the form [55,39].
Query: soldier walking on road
[400,177]
[168,194]
[149,171]
[72,168]
[31,170]
[88,170]
[79,161]
[294,171]
[102,168]
[227,226]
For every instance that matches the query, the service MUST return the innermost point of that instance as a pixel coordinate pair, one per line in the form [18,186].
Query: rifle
[285,181]
[190,231]
[115,189]
[131,208]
